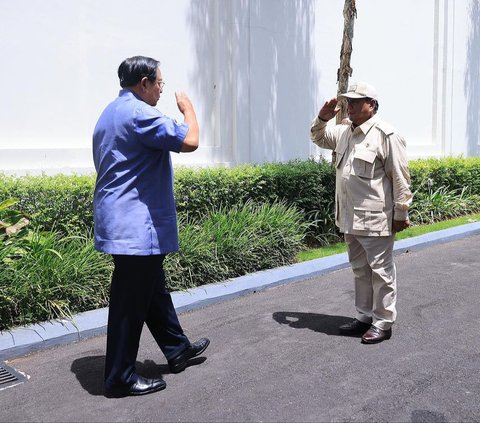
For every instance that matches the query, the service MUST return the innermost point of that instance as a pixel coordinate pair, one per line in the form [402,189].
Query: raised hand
[183,102]
[329,109]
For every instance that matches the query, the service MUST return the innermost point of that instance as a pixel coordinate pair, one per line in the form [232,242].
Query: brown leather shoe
[355,327]
[375,335]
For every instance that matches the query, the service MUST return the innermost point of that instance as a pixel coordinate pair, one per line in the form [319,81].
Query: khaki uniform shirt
[373,181]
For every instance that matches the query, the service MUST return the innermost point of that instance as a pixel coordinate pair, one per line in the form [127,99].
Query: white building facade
[257,72]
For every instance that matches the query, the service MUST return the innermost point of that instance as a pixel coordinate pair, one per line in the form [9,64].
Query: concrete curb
[25,340]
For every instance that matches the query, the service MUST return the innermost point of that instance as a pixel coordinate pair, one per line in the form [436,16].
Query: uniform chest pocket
[368,215]
[363,163]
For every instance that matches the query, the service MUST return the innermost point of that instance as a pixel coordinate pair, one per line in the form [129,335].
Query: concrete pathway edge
[24,340]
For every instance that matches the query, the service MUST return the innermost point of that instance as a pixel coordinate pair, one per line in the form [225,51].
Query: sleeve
[396,168]
[321,136]
[157,131]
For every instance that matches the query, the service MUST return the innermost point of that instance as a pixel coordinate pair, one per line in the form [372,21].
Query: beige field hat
[360,90]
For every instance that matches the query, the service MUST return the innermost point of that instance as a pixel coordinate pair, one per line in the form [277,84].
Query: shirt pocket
[363,163]
[368,215]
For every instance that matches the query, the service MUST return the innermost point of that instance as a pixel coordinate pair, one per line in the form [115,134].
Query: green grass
[340,247]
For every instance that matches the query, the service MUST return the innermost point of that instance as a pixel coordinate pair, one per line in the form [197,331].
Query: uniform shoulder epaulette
[385,128]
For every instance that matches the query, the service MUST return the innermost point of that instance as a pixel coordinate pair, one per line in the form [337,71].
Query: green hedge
[64,203]
[59,202]
[452,173]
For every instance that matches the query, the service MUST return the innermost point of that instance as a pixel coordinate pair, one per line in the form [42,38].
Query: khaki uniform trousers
[374,272]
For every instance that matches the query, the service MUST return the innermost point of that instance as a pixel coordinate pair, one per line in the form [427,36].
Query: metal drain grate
[9,376]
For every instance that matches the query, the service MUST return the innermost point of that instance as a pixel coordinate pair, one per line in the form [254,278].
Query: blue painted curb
[24,340]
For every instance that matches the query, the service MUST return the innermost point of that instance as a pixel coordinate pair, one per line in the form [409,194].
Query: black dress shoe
[179,363]
[375,335]
[142,386]
[355,327]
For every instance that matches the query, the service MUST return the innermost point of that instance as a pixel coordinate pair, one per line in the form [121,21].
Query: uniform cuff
[318,121]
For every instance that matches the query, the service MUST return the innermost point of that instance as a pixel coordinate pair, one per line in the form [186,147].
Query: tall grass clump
[434,205]
[45,276]
[231,242]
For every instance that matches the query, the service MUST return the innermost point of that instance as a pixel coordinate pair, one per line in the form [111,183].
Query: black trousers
[138,295]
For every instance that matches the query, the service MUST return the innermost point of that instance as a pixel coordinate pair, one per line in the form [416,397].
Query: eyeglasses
[161,84]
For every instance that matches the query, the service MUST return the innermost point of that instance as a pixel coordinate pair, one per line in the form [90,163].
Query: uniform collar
[367,125]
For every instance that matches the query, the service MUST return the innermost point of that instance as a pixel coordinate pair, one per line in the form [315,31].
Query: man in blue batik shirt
[136,222]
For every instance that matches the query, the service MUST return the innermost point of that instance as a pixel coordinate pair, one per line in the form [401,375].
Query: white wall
[257,71]
[60,60]
[424,59]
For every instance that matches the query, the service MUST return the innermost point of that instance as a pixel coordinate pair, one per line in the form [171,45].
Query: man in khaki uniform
[372,199]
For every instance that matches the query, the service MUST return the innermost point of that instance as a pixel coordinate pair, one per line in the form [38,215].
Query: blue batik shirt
[134,206]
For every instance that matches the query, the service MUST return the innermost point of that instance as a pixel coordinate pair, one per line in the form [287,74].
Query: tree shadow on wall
[472,80]
[262,82]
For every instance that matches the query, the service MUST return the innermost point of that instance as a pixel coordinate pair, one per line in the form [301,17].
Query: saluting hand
[329,109]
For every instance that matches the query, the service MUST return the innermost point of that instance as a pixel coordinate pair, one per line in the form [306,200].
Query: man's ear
[143,83]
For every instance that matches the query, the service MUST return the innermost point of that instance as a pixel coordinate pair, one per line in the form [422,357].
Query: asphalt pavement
[276,356]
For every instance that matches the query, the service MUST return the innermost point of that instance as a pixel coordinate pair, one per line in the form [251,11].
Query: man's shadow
[323,323]
[89,371]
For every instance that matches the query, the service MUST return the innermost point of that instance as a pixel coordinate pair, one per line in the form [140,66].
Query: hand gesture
[183,102]
[329,109]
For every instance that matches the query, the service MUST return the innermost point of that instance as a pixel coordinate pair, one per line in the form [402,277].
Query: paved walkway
[276,355]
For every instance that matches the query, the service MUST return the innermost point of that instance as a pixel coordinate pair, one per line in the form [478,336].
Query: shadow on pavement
[426,416]
[323,323]
[89,371]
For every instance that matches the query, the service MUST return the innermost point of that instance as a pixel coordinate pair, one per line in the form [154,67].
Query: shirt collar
[125,92]
[367,125]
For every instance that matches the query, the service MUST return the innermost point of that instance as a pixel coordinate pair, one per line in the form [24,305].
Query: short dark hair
[132,70]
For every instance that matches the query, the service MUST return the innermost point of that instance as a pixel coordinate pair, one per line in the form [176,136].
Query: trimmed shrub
[64,203]
[61,203]
[450,173]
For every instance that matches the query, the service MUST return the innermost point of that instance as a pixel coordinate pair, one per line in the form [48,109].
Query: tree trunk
[345,71]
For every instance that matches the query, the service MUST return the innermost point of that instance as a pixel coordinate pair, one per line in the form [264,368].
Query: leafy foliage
[232,221]
[234,241]
[62,203]
[45,276]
